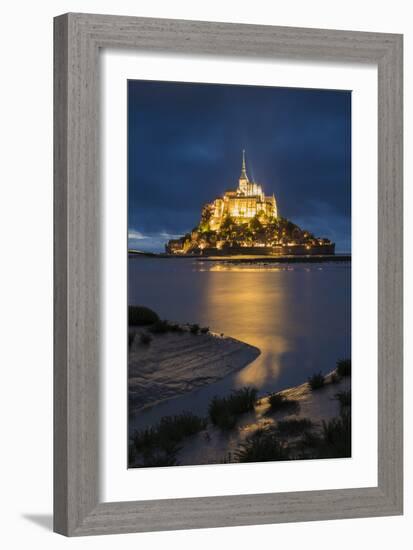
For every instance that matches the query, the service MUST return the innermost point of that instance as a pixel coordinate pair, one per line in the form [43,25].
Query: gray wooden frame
[78,39]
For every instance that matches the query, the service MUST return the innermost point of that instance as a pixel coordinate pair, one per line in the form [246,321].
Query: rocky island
[245,221]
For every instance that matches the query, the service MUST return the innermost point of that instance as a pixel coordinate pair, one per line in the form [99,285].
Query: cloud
[136,235]
[154,242]
[185,142]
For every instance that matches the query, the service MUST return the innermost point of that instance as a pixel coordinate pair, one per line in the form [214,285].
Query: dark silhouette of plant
[141,315]
[223,411]
[344,367]
[261,447]
[160,327]
[337,437]
[310,440]
[175,327]
[159,458]
[344,398]
[159,443]
[333,442]
[316,381]
[293,427]
[194,329]
[279,402]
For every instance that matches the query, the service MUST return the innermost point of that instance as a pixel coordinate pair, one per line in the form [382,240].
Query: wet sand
[213,445]
[175,363]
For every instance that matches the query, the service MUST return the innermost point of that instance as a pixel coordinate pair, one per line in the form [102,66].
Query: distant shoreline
[247,258]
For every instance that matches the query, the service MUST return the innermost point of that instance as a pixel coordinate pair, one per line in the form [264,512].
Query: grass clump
[334,441]
[145,439]
[163,439]
[294,427]
[145,338]
[344,367]
[309,440]
[261,447]
[153,457]
[316,381]
[279,402]
[223,411]
[183,425]
[194,329]
[344,399]
[141,316]
[174,327]
[160,327]
[158,459]
[337,437]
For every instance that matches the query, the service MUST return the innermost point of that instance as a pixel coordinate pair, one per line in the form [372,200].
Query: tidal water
[298,315]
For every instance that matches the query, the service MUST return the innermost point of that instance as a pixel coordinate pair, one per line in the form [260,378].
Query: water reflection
[298,315]
[234,268]
[253,305]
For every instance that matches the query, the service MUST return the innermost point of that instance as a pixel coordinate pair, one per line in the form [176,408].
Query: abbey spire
[244,168]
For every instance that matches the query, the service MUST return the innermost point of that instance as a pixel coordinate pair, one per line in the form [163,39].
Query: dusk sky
[185,146]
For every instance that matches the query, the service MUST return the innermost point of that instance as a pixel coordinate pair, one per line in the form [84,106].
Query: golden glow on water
[250,302]
[245,268]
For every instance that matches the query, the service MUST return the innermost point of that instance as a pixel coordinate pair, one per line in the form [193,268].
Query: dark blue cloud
[184,149]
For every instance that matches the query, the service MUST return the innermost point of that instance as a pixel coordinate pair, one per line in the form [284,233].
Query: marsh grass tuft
[293,427]
[194,329]
[174,327]
[141,316]
[223,411]
[316,381]
[262,447]
[153,458]
[310,440]
[279,402]
[334,441]
[344,399]
[160,327]
[337,437]
[162,440]
[159,459]
[343,367]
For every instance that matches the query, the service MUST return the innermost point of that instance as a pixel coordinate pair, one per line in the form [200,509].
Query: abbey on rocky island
[246,221]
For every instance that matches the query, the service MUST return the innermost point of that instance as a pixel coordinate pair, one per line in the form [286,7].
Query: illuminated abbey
[246,221]
[242,204]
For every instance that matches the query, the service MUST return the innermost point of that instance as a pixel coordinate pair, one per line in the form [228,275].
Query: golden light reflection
[245,268]
[242,267]
[249,305]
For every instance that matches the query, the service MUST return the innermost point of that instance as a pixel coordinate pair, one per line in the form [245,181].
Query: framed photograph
[228,274]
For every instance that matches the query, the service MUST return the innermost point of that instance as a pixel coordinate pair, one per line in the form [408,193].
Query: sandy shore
[178,362]
[213,445]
